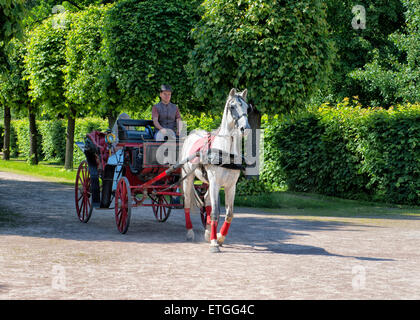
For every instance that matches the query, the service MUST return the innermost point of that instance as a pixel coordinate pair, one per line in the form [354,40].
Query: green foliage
[83,127]
[205,121]
[13,88]
[272,173]
[12,13]
[14,151]
[1,135]
[348,151]
[392,77]
[53,139]
[280,52]
[22,143]
[86,70]
[250,187]
[390,146]
[355,46]
[147,44]
[44,63]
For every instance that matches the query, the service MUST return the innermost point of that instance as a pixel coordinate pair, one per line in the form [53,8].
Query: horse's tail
[201,204]
[198,201]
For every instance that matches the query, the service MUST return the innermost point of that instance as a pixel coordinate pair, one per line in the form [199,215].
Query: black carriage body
[97,153]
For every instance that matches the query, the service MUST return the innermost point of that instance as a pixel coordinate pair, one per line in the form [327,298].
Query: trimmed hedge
[347,151]
[20,140]
[1,136]
[53,142]
[52,137]
[390,145]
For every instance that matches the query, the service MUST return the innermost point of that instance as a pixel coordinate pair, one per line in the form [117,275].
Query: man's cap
[165,87]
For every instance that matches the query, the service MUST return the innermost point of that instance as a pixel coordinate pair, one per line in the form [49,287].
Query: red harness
[202,144]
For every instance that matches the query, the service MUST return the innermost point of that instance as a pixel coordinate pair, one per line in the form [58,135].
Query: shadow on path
[46,210]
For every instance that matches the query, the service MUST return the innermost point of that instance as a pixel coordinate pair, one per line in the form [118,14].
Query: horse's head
[237,110]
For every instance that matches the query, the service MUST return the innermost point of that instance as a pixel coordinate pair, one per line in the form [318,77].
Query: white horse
[228,139]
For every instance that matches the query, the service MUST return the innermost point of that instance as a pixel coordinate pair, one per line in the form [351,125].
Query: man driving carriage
[166,119]
[166,116]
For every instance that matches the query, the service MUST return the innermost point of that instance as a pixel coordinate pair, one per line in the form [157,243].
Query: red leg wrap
[188,223]
[208,212]
[213,234]
[225,228]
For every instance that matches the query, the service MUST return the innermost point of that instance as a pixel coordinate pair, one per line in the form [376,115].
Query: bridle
[235,115]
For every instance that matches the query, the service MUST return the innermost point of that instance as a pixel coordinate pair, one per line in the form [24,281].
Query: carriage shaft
[168,171]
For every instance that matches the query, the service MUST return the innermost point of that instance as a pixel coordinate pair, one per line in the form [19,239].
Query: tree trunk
[71,123]
[6,141]
[112,117]
[33,133]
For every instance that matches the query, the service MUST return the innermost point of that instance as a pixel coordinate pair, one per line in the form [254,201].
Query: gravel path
[46,253]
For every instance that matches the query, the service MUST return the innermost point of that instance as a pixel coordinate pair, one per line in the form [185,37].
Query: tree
[356,43]
[88,81]
[279,50]
[395,78]
[44,63]
[147,44]
[18,15]
[11,16]
[14,90]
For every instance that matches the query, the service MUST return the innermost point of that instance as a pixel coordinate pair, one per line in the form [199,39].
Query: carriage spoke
[120,215]
[84,213]
[160,208]
[160,212]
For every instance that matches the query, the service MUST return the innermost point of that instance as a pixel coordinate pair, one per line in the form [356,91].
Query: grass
[48,171]
[294,203]
[288,203]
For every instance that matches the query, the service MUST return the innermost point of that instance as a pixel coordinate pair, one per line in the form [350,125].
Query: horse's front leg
[214,189]
[229,200]
[187,186]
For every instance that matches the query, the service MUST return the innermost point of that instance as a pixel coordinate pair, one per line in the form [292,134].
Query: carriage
[127,173]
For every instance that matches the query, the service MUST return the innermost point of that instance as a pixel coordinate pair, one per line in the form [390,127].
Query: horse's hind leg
[187,186]
[229,200]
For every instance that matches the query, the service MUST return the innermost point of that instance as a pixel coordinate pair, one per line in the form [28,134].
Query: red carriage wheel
[161,211]
[83,195]
[123,205]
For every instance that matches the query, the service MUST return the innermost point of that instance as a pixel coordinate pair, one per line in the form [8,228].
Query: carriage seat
[128,133]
